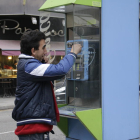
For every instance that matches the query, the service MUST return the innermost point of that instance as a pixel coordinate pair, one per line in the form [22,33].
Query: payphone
[82,115]
[83,90]
[83,78]
[80,68]
[83,81]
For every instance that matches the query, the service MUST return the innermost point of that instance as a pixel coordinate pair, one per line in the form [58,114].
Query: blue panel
[120,69]
[84,52]
[78,131]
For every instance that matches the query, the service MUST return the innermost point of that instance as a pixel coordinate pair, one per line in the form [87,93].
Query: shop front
[16,18]
[11,30]
[8,72]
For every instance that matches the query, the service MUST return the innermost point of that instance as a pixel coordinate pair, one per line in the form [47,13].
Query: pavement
[7,103]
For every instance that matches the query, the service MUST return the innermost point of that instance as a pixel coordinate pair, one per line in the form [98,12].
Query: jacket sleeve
[47,72]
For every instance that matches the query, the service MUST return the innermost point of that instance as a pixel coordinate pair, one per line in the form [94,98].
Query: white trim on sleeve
[72,55]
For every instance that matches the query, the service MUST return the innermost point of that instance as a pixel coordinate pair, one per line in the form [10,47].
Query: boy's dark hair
[30,40]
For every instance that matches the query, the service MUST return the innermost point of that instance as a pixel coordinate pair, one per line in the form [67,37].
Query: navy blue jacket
[34,98]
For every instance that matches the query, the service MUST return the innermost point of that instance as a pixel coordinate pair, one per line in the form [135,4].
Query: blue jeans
[41,136]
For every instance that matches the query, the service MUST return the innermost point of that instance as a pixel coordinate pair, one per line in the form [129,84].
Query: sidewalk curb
[6,107]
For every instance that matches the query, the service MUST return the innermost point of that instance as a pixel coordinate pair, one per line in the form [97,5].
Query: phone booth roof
[51,4]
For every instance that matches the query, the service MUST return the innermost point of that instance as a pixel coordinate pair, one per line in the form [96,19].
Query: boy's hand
[46,59]
[76,48]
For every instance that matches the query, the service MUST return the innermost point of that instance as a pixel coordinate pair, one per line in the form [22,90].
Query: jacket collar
[25,56]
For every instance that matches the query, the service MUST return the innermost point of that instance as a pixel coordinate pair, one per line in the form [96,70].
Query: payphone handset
[79,71]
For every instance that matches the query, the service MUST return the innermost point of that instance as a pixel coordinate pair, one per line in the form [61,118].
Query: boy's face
[39,54]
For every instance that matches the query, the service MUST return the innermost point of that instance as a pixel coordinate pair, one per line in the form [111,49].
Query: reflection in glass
[82,89]
[83,84]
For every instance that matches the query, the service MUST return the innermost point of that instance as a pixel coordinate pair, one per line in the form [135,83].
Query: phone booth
[83,113]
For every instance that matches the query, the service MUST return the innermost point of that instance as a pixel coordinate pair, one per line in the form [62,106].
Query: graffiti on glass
[43,20]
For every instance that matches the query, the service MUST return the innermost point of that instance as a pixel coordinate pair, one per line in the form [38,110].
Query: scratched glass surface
[81,88]
[53,26]
[84,86]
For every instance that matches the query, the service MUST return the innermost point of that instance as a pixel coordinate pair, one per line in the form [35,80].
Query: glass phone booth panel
[83,88]
[53,25]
